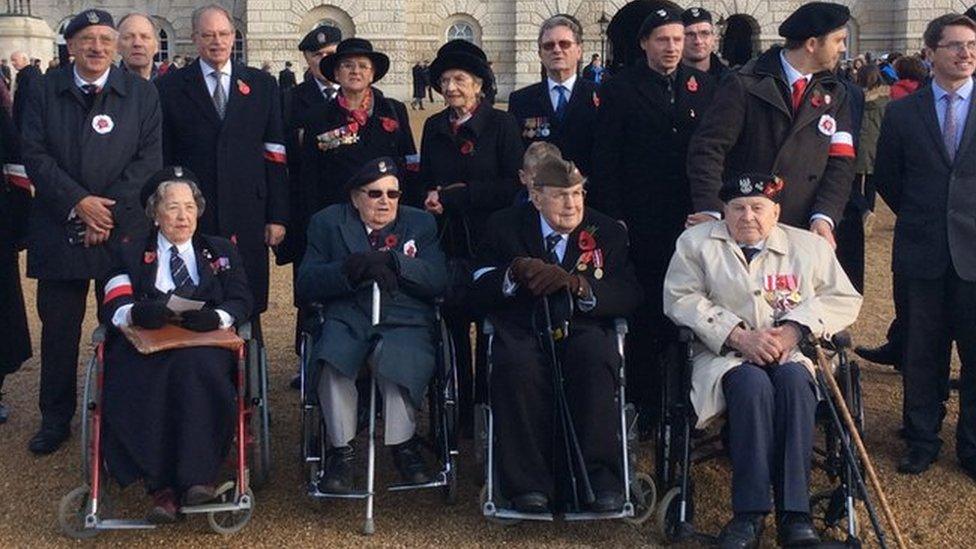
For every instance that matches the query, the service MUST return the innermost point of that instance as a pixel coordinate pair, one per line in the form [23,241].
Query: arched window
[238,54]
[328,21]
[461,30]
[163,52]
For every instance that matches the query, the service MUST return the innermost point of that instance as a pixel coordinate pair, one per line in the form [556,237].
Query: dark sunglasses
[376,194]
[563,45]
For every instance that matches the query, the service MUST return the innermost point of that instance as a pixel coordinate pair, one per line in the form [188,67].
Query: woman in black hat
[470,157]
[169,416]
[360,124]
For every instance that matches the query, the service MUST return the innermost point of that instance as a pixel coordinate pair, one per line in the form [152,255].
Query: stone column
[28,34]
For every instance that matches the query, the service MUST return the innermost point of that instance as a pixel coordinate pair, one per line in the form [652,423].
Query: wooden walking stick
[824,365]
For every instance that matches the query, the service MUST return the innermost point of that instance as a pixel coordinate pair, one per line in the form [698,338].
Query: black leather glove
[522,269]
[354,267]
[549,279]
[384,276]
[380,258]
[204,320]
[150,314]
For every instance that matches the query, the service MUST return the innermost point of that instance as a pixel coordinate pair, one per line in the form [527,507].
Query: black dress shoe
[796,530]
[531,503]
[916,461]
[410,463]
[48,439]
[338,471]
[607,502]
[742,532]
[882,354]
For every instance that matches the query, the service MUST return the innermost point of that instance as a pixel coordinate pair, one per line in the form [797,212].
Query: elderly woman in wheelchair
[169,416]
[751,289]
[373,239]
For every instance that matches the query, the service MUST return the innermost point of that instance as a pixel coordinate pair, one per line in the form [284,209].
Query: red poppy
[692,85]
[596,100]
[149,257]
[586,241]
[467,147]
[773,188]
[243,87]
[390,124]
[233,239]
[353,127]
[391,241]
[816,101]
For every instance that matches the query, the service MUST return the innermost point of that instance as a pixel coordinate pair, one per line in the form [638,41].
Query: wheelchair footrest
[509,514]
[441,480]
[120,524]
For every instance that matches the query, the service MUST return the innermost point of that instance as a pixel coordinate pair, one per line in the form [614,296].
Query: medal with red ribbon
[589,253]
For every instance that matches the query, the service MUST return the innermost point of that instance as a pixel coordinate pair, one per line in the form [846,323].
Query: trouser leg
[338,399]
[61,308]
[963,298]
[399,416]
[793,424]
[751,404]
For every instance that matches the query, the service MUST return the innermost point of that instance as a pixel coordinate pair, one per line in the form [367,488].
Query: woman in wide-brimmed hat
[470,157]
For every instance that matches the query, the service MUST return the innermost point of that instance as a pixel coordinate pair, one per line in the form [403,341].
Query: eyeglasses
[363,66]
[563,45]
[210,36]
[376,194]
[957,47]
[700,34]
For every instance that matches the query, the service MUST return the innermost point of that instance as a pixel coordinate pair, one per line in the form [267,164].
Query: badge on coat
[102,124]
[410,248]
[782,292]
[827,125]
[333,139]
[537,126]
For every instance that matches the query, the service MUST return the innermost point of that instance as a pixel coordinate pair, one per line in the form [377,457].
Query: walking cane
[370,527]
[827,375]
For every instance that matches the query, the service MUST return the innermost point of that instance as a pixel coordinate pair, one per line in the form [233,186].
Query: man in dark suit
[926,172]
[648,113]
[555,249]
[286,77]
[562,108]
[91,138]
[27,74]
[222,120]
[594,71]
[784,113]
[699,50]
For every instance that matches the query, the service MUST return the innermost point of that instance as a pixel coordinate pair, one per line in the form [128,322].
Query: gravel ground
[937,509]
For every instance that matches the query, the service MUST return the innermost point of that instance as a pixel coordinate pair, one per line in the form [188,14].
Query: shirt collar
[207,69]
[162,243]
[546,228]
[322,85]
[758,245]
[100,81]
[568,83]
[962,93]
[792,75]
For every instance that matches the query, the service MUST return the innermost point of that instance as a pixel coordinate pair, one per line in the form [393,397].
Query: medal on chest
[782,292]
[537,126]
[343,135]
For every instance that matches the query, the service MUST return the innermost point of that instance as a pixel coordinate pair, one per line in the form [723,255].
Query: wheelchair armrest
[842,340]
[685,334]
[98,336]
[244,330]
[620,325]
[487,327]
[312,316]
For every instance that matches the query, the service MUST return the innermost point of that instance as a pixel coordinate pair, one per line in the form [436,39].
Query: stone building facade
[411,30]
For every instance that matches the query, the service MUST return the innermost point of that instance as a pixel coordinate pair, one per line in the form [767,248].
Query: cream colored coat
[711,289]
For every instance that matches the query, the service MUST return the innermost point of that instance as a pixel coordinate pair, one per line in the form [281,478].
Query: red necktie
[799,87]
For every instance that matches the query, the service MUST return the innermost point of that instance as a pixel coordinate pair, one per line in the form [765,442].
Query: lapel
[205,255]
[769,69]
[353,231]
[531,232]
[545,102]
[236,101]
[196,89]
[148,264]
[578,98]
[648,86]
[808,112]
[572,247]
[925,101]
[969,130]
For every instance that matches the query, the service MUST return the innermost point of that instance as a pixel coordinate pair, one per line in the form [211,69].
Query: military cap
[696,15]
[88,18]
[752,184]
[168,173]
[461,55]
[657,18]
[319,38]
[371,171]
[556,172]
[355,47]
[814,19]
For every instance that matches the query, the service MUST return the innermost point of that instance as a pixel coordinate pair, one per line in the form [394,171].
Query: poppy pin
[149,257]
[389,124]
[467,147]
[243,87]
[391,241]
[692,84]
[816,100]
[596,100]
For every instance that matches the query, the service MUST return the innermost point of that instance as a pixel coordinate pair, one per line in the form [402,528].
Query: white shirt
[209,80]
[100,81]
[327,90]
[554,94]
[961,106]
[164,279]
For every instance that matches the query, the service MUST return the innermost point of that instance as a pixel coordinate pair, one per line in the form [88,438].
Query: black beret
[813,20]
[657,18]
[88,18]
[371,171]
[556,172]
[696,15]
[752,184]
[169,173]
[319,38]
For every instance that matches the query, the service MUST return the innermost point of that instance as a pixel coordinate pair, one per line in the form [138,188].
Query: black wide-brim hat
[355,47]
[462,55]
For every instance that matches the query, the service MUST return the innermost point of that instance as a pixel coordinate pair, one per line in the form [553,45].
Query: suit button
[757,293]
[710,320]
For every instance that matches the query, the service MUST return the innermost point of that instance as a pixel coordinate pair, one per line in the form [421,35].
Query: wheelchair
[441,437]
[680,447]
[639,487]
[82,512]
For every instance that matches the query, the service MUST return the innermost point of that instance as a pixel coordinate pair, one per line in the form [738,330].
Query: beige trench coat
[711,289]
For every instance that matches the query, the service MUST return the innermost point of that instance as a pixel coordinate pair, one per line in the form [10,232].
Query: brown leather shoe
[198,494]
[165,508]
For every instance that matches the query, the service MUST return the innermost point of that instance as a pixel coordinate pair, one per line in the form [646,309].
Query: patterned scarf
[357,116]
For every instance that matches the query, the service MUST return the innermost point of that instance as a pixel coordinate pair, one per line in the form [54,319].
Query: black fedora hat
[463,55]
[355,46]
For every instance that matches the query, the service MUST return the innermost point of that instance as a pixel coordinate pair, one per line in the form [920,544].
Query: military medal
[102,124]
[598,274]
[691,113]
[598,264]
[544,128]
[581,267]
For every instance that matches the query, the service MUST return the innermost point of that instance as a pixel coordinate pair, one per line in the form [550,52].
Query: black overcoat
[240,160]
[72,152]
[574,135]
[15,345]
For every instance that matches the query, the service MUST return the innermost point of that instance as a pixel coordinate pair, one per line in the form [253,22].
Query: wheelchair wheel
[72,511]
[494,520]
[450,490]
[829,513]
[643,493]
[259,450]
[666,517]
[231,522]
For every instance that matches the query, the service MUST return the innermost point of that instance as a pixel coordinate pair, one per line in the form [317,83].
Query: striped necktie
[181,275]
[551,242]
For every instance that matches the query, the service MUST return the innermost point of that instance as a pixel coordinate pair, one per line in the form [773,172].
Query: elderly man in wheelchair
[544,267]
[169,416]
[751,289]
[373,238]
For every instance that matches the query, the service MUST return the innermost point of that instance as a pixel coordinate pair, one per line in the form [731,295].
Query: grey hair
[198,13]
[157,197]
[561,21]
[127,16]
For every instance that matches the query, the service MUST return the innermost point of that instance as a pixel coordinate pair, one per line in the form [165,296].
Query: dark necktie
[561,101]
[551,242]
[374,240]
[181,275]
[89,91]
[750,253]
